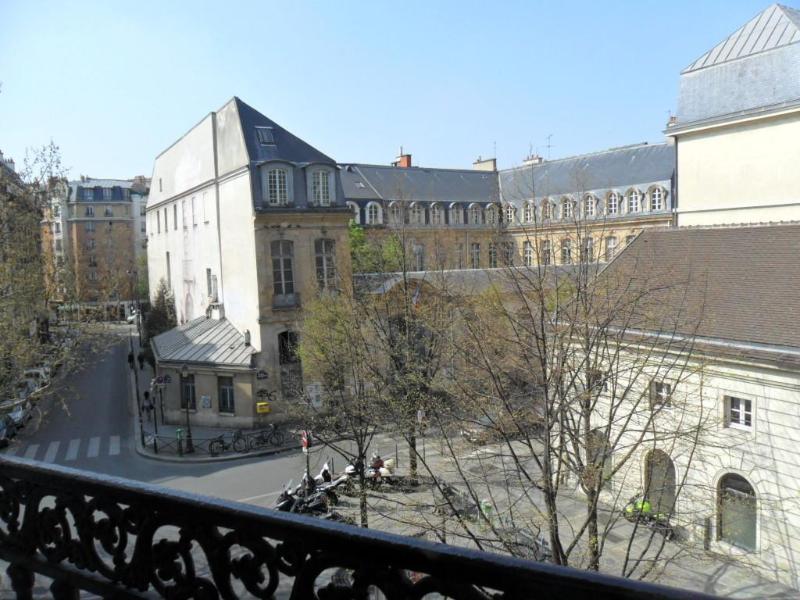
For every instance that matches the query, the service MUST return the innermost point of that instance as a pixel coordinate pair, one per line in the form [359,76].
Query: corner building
[245,223]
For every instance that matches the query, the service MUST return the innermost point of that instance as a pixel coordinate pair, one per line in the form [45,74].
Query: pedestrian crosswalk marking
[12,450]
[113,449]
[52,451]
[94,447]
[72,450]
[31,451]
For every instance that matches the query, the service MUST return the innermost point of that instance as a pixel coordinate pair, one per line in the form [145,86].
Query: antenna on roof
[549,145]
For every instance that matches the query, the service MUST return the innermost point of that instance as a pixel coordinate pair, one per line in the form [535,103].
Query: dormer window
[265,136]
[321,188]
[277,187]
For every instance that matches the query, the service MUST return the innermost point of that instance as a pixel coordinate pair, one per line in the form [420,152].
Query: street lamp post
[189,444]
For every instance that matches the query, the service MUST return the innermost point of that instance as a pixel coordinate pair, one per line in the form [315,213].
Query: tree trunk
[412,453]
[362,498]
[594,542]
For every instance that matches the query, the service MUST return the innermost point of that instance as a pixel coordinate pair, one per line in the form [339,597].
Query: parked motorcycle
[640,509]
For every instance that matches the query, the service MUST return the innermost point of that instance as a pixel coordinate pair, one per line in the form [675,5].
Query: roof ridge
[762,33]
[415,168]
[595,153]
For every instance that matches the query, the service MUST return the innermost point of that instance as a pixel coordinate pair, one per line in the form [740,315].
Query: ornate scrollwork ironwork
[123,539]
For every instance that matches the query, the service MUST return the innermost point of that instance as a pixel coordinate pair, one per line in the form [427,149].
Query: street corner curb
[210,459]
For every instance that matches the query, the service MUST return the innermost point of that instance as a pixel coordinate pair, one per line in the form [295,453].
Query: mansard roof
[753,72]
[617,168]
[725,284]
[287,146]
[377,182]
[774,27]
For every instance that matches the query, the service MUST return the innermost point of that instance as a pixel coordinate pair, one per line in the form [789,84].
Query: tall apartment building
[96,233]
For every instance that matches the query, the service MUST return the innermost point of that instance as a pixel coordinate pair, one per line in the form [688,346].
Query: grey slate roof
[387,183]
[773,27]
[740,283]
[755,70]
[287,147]
[469,281]
[617,168]
[203,340]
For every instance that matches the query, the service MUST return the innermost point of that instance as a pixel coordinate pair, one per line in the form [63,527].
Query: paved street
[87,422]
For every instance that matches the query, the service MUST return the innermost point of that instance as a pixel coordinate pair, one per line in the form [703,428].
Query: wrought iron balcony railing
[120,539]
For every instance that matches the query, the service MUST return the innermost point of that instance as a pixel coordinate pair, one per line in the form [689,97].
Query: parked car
[7,430]
[21,414]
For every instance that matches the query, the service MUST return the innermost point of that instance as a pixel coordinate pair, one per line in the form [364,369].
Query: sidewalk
[168,445]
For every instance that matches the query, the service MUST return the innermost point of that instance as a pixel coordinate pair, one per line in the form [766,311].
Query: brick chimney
[403,160]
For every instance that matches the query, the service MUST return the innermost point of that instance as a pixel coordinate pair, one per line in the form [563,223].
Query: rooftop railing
[116,538]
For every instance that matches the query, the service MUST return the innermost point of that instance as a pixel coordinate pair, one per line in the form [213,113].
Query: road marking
[260,496]
[94,447]
[31,451]
[113,449]
[72,450]
[12,450]
[52,451]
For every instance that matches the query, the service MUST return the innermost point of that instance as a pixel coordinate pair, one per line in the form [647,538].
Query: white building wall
[765,456]
[208,207]
[741,173]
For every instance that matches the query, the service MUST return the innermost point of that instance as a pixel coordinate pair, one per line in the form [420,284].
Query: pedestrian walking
[130,359]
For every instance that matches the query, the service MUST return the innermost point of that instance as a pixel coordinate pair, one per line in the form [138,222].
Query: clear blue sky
[114,83]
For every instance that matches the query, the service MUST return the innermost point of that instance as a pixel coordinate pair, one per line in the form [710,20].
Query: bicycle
[272,435]
[218,445]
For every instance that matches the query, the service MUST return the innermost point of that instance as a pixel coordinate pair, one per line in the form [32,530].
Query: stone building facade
[246,223]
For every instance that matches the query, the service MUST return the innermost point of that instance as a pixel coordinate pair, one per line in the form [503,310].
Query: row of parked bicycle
[273,435]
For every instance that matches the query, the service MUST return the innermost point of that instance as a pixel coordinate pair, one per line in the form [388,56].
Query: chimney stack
[532,159]
[403,160]
[485,164]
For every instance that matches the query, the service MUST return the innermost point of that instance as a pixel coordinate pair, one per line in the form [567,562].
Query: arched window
[475,214]
[611,247]
[374,214]
[510,213]
[738,512]
[277,187]
[396,213]
[527,212]
[527,253]
[417,214]
[656,199]
[634,201]
[612,204]
[660,481]
[356,212]
[321,188]
[491,215]
[589,202]
[587,250]
[456,214]
[436,214]
[547,210]
[567,207]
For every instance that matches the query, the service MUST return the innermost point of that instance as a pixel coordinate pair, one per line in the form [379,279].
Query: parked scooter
[303,501]
[640,509]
